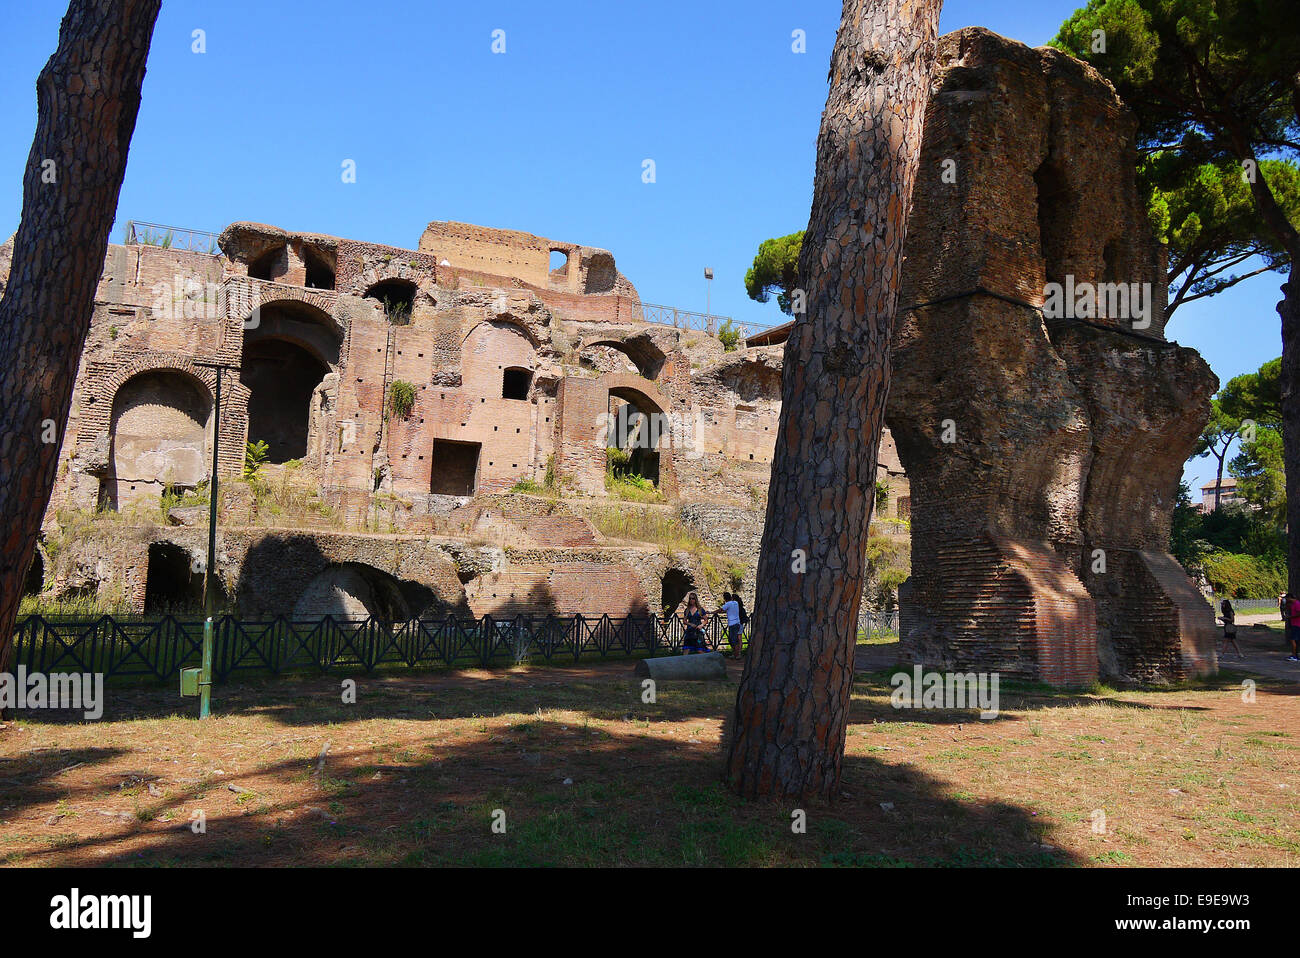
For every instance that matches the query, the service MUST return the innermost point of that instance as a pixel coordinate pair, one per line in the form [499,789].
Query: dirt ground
[570,767]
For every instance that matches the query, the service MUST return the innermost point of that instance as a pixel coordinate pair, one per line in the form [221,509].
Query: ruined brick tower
[1044,450]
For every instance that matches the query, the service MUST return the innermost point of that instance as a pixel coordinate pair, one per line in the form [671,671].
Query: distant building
[1228,494]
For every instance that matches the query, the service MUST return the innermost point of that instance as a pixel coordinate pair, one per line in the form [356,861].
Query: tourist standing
[732,608]
[694,617]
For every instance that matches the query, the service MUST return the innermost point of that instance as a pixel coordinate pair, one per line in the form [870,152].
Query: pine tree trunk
[87,96]
[1289,376]
[787,735]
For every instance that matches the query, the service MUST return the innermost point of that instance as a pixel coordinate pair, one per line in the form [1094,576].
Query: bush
[729,335]
[254,459]
[401,398]
[1245,576]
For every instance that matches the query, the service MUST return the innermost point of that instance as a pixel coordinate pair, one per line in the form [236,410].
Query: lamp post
[209,594]
[708,297]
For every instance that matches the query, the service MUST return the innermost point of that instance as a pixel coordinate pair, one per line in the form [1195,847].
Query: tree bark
[787,733]
[1288,310]
[87,96]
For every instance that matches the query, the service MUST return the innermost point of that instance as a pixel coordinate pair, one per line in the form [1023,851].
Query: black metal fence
[156,648]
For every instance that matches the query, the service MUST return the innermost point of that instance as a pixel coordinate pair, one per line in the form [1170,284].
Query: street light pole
[708,297]
[209,594]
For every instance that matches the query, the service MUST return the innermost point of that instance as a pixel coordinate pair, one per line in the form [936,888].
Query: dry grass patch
[587,774]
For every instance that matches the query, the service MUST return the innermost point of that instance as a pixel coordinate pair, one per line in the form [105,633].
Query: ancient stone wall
[1043,450]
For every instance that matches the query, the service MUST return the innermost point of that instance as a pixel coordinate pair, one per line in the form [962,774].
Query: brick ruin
[1040,528]
[517,350]
[1067,438]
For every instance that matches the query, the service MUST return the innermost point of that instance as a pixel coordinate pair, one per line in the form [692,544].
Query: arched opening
[639,426]
[515,382]
[272,263]
[159,436]
[559,266]
[635,354]
[397,297]
[281,377]
[34,581]
[676,585]
[320,268]
[286,356]
[171,584]
[354,590]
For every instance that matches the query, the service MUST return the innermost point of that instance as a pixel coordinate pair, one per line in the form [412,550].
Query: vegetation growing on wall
[401,398]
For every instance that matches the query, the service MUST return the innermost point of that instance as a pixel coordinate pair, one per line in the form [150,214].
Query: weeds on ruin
[401,398]
[398,311]
[645,525]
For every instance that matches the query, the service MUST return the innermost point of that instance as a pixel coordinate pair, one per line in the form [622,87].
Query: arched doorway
[34,581]
[639,427]
[286,356]
[676,585]
[354,590]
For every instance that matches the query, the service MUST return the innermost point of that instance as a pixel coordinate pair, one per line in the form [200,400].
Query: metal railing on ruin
[155,648]
[702,322]
[140,233]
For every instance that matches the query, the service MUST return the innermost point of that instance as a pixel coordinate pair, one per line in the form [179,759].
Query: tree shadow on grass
[630,800]
[30,778]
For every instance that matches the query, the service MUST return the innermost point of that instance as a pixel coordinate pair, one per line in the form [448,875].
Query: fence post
[205,676]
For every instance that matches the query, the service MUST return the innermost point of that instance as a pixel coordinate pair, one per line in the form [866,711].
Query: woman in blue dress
[694,617]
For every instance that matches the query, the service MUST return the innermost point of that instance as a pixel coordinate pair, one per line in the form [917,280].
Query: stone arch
[395,296]
[505,319]
[642,394]
[106,379]
[357,590]
[159,435]
[675,585]
[489,354]
[647,357]
[287,356]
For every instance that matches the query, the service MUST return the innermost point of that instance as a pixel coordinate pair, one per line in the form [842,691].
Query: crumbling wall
[1036,447]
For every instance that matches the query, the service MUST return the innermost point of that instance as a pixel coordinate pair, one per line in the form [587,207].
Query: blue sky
[548,138]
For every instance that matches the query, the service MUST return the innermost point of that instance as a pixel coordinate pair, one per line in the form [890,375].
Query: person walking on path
[1229,628]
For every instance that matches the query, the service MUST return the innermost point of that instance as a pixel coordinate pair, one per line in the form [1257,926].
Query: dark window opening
[1053,222]
[34,581]
[397,297]
[172,584]
[281,378]
[320,271]
[676,585]
[264,267]
[454,468]
[515,383]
